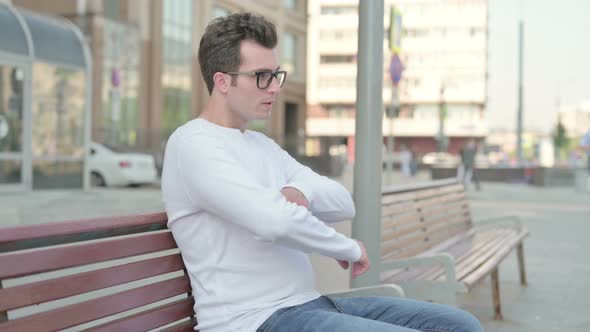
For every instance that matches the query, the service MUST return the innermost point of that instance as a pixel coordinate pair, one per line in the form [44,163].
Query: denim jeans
[375,314]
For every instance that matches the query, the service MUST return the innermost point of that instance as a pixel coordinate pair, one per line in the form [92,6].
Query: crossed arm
[359,267]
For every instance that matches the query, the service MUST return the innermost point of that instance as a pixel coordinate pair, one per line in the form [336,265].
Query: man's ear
[222,81]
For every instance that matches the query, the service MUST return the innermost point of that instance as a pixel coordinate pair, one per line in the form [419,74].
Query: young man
[245,214]
[466,171]
[585,146]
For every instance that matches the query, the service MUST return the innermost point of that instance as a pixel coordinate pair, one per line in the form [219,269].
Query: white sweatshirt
[244,245]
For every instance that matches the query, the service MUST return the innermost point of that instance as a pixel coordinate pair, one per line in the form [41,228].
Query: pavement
[557,297]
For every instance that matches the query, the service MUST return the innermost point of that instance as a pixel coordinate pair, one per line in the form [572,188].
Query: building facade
[146,74]
[45,81]
[575,118]
[444,54]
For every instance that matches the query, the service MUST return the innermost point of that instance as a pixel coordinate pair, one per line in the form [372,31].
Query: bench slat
[441,201]
[388,276]
[426,237]
[53,289]
[151,319]
[463,252]
[79,226]
[80,313]
[426,223]
[455,247]
[485,268]
[182,327]
[36,260]
[421,194]
[414,216]
[476,259]
[401,233]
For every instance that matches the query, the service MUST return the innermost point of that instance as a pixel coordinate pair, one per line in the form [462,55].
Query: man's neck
[218,113]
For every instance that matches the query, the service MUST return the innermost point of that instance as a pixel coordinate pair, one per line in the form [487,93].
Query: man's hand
[295,196]
[359,267]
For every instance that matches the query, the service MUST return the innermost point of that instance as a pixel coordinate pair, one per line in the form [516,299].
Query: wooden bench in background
[431,247]
[105,274]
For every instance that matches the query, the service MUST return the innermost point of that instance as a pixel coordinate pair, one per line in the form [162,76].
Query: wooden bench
[431,247]
[105,274]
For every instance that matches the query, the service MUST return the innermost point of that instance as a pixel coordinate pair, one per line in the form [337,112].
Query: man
[585,146]
[467,168]
[245,214]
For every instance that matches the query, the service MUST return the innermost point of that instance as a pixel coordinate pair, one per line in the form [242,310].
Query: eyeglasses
[264,78]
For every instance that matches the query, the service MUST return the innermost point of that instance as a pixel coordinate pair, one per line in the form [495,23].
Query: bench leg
[520,253]
[496,294]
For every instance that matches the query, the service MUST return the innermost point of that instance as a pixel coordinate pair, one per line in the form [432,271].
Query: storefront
[45,88]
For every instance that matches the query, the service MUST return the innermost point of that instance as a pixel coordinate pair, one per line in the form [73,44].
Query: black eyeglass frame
[259,74]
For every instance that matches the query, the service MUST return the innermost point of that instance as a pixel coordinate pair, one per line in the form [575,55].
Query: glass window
[58,126]
[111,8]
[290,4]
[11,109]
[49,174]
[289,53]
[120,82]
[176,64]
[57,111]
[10,171]
[337,58]
[338,10]
[11,124]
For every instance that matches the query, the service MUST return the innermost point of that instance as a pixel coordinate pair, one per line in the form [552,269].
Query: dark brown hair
[219,49]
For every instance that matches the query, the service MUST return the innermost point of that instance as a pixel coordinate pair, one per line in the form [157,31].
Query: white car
[440,159]
[110,168]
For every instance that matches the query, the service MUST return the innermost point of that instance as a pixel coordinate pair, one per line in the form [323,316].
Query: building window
[289,53]
[338,10]
[337,59]
[111,9]
[120,84]
[57,126]
[290,4]
[176,64]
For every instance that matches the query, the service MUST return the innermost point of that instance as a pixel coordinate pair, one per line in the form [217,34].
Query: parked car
[110,168]
[440,159]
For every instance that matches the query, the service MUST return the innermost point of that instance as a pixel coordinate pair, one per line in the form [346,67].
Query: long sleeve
[218,184]
[328,199]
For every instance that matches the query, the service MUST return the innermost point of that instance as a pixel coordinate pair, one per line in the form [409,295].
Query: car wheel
[96,180]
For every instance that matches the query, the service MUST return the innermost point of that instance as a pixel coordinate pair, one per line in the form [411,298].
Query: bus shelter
[45,86]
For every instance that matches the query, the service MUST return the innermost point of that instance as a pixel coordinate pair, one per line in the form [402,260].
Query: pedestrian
[406,160]
[466,171]
[585,146]
[245,214]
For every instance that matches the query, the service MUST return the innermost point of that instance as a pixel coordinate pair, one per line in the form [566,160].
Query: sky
[556,60]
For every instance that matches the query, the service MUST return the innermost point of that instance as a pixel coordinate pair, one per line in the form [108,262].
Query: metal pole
[441,120]
[369,135]
[519,155]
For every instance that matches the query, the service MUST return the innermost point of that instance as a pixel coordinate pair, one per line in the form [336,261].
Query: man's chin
[262,115]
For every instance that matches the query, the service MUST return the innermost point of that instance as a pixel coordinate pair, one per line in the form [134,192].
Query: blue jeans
[375,314]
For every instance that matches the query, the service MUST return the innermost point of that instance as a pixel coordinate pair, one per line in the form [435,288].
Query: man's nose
[274,86]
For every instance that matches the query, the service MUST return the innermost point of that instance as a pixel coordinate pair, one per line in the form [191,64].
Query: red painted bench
[105,274]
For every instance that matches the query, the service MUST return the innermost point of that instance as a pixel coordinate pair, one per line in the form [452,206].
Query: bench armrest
[444,259]
[378,290]
[511,221]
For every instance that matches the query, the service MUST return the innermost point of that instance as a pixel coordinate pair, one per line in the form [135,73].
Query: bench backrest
[118,274]
[416,218]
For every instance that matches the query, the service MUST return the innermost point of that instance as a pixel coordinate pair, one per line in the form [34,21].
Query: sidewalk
[556,253]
